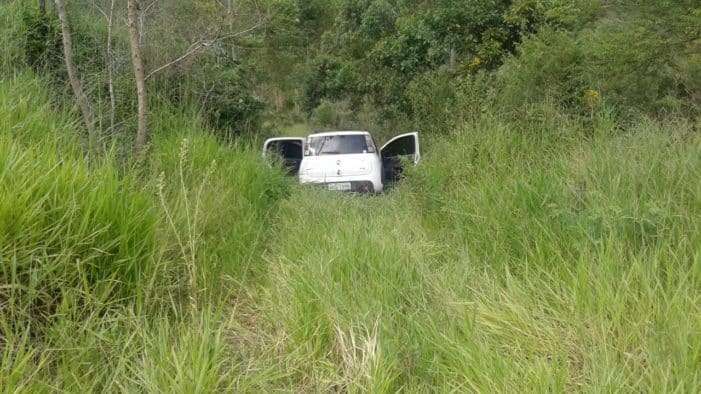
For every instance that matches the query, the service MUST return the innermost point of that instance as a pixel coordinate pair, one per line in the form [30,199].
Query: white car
[345,160]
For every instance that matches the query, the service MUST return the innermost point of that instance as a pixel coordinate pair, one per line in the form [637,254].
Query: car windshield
[339,144]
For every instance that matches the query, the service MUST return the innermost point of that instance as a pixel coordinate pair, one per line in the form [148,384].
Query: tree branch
[199,46]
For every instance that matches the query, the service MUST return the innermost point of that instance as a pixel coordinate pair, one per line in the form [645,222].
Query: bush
[336,115]
[548,67]
[42,45]
[638,67]
[433,100]
[633,66]
[222,88]
[331,79]
[230,103]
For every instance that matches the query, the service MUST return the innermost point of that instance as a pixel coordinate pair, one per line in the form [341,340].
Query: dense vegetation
[549,240]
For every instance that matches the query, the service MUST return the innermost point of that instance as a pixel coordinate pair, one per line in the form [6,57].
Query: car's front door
[289,149]
[402,147]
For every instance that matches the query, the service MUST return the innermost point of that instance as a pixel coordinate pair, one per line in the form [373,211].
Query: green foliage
[42,40]
[634,66]
[329,78]
[433,101]
[397,56]
[222,88]
[229,102]
[39,38]
[651,64]
[330,115]
[197,364]
[383,50]
[325,115]
[378,20]
[547,68]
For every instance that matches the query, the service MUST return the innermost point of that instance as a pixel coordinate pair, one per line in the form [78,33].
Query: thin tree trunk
[42,6]
[139,75]
[110,60]
[142,17]
[451,62]
[76,85]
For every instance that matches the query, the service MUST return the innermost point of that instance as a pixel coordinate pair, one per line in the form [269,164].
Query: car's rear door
[397,151]
[289,149]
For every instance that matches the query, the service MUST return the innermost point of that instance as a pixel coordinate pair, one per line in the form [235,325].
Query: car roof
[329,133]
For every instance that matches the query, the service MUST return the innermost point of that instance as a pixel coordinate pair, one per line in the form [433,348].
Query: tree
[139,75]
[80,96]
[212,35]
[109,60]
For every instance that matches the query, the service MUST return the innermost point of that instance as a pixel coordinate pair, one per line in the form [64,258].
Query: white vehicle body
[345,160]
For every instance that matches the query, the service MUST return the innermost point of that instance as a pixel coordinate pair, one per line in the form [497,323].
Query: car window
[340,144]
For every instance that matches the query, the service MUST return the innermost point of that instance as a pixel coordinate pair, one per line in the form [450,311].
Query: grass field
[544,256]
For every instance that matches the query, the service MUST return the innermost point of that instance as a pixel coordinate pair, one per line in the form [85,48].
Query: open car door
[403,146]
[289,149]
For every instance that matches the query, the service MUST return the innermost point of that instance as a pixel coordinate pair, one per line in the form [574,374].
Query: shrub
[222,88]
[331,79]
[337,115]
[633,66]
[229,101]
[41,34]
[547,67]
[433,102]
[42,47]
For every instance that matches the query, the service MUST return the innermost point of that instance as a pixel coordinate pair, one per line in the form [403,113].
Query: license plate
[340,186]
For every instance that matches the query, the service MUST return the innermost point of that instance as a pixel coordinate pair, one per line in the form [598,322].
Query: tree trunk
[110,66]
[139,75]
[451,61]
[76,85]
[42,6]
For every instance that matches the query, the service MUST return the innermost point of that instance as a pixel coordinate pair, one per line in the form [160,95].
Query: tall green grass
[100,259]
[218,199]
[558,258]
[550,254]
[64,223]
